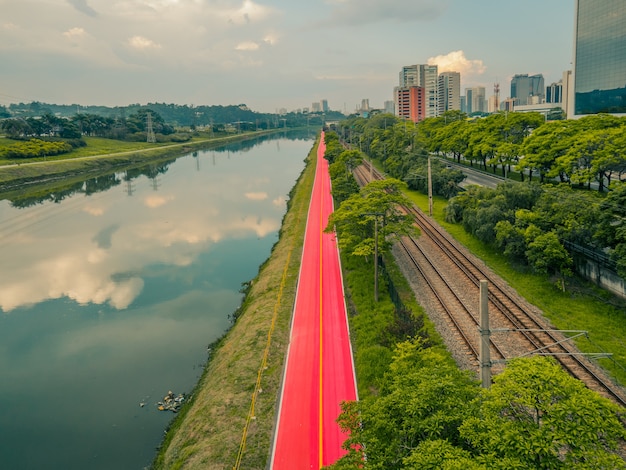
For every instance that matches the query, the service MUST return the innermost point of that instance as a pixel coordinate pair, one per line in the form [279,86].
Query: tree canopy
[436,417]
[375,211]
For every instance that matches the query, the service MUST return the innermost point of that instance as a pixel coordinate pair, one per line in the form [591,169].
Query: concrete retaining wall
[601,275]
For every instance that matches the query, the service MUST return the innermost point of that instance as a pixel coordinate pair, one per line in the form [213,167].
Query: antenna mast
[496,97]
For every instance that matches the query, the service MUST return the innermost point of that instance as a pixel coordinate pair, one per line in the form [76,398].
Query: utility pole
[376,259]
[430,189]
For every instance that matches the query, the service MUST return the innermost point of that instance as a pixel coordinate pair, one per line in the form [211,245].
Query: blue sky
[269,54]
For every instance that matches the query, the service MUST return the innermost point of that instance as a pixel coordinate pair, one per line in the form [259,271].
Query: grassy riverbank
[235,400]
[103,155]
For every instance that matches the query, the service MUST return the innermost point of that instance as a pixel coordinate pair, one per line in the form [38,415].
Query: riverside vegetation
[419,411]
[229,419]
[237,356]
[99,156]
[523,230]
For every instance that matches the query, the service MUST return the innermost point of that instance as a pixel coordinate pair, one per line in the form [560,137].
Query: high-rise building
[409,76]
[527,89]
[449,91]
[425,76]
[431,88]
[475,100]
[554,92]
[390,107]
[599,58]
[324,105]
[567,82]
[410,102]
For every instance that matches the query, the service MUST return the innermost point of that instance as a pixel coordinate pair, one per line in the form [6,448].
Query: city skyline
[269,54]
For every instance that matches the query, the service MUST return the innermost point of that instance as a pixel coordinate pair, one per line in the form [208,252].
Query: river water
[112,289]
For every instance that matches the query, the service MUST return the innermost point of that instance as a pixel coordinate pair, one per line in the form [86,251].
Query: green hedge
[35,148]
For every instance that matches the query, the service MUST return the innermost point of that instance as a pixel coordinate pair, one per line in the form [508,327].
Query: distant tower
[149,131]
[496,97]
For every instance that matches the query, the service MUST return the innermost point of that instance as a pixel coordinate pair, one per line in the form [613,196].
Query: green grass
[102,155]
[99,146]
[582,307]
[95,146]
[373,324]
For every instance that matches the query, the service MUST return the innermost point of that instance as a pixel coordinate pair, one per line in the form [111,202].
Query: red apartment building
[410,103]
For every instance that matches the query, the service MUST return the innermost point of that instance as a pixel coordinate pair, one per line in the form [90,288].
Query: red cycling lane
[319,373]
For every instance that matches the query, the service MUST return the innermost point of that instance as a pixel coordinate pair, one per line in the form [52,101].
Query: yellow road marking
[321,425]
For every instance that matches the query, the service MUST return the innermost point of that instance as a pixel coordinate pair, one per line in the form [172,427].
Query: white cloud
[280,202]
[142,43]
[74,33]
[271,38]
[456,61]
[154,201]
[10,27]
[95,211]
[260,196]
[247,46]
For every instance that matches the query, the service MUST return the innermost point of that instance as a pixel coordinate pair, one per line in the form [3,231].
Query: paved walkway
[319,374]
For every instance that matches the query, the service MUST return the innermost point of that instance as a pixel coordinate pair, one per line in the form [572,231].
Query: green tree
[546,254]
[16,128]
[424,397]
[373,212]
[344,184]
[537,414]
[333,147]
[541,149]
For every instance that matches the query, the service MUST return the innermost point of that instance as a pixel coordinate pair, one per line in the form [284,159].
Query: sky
[269,54]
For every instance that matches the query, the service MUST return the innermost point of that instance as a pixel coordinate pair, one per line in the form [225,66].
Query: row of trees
[426,413]
[401,150]
[579,152]
[177,115]
[532,223]
[82,124]
[366,219]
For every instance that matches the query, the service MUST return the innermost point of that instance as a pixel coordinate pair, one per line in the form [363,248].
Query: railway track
[519,329]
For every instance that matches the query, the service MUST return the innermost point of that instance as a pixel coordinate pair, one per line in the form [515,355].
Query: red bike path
[319,372]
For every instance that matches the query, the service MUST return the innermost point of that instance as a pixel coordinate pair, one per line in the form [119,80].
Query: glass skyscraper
[600,57]
[524,87]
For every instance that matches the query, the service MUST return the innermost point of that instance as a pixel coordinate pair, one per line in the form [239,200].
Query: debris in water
[171,402]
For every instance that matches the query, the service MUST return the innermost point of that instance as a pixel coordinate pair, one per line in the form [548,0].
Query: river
[112,289]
